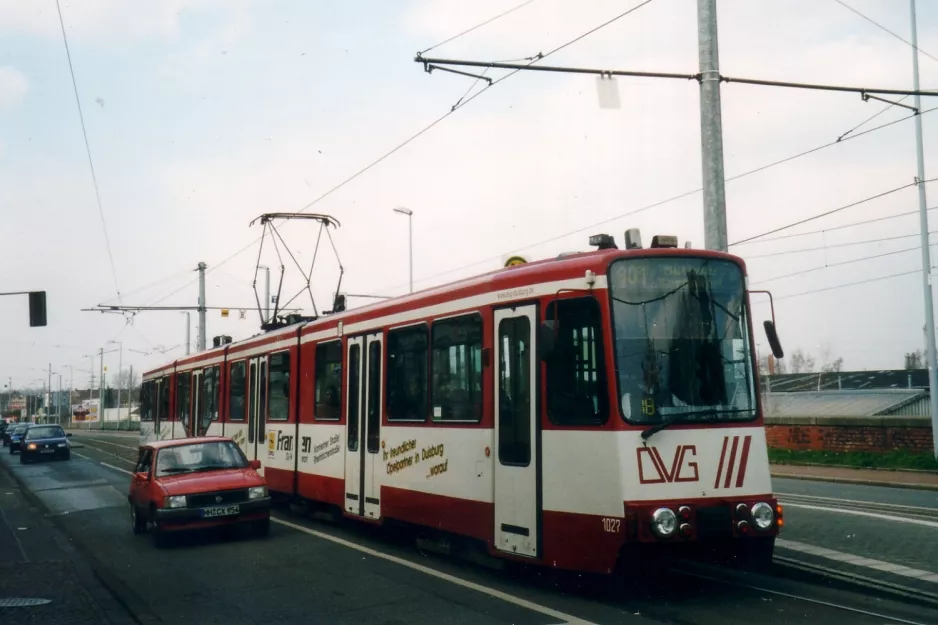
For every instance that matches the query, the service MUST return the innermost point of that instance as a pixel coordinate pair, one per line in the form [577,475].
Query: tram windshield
[682,340]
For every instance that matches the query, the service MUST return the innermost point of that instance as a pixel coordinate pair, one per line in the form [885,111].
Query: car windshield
[211,456]
[20,429]
[44,431]
[682,340]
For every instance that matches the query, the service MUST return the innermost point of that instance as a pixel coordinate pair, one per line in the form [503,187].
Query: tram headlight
[762,515]
[663,522]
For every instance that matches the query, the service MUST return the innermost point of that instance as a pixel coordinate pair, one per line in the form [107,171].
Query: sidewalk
[37,562]
[869,477]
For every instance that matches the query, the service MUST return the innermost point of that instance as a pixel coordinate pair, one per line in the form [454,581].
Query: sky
[203,114]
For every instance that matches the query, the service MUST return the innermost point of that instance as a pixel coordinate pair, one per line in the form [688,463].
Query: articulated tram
[556,412]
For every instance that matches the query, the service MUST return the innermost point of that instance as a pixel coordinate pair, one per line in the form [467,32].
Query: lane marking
[855,560]
[872,515]
[779,593]
[110,453]
[98,440]
[860,502]
[497,594]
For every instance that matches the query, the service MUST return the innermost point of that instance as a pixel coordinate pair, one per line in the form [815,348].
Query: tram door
[257,409]
[517,500]
[195,391]
[363,425]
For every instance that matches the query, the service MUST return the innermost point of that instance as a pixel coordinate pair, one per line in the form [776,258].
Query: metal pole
[410,244]
[201,346]
[101,391]
[926,256]
[711,127]
[188,331]
[120,383]
[130,395]
[49,394]
[266,294]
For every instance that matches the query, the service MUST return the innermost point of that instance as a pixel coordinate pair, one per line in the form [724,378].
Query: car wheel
[138,523]
[23,459]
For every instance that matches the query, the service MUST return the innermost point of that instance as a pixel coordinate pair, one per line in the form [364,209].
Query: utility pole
[101,389]
[711,127]
[130,395]
[49,394]
[201,346]
[926,256]
[188,330]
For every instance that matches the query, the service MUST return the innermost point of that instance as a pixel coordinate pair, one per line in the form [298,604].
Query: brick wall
[850,433]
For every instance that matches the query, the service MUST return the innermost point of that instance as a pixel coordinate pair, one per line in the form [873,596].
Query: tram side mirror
[774,343]
[546,339]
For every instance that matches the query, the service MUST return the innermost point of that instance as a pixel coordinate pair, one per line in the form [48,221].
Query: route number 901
[612,525]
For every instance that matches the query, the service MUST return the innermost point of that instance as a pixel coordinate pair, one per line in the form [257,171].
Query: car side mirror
[141,476]
[254,464]
[774,343]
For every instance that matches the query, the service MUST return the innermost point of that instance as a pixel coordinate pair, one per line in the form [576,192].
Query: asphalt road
[316,572]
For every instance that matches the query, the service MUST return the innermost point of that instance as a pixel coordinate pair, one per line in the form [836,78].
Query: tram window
[183,383]
[354,373]
[374,396]
[146,401]
[163,412]
[262,397]
[576,375]
[208,403]
[456,393]
[278,403]
[514,391]
[329,381]
[236,380]
[407,374]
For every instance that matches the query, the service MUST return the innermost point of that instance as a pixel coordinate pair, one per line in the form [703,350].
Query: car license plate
[220,511]
[48,451]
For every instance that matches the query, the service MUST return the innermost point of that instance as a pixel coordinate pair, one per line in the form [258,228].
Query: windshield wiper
[214,467]
[657,428]
[175,470]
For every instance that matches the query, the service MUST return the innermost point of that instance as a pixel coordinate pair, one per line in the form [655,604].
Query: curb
[844,466]
[132,605]
[848,480]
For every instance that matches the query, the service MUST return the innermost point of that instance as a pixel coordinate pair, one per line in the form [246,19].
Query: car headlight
[663,522]
[31,446]
[176,501]
[763,515]
[257,492]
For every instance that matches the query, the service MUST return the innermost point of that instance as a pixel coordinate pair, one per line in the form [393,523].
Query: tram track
[788,577]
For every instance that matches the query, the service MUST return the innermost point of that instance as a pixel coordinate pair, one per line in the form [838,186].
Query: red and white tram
[557,411]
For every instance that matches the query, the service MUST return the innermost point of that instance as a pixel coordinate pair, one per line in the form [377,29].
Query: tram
[557,412]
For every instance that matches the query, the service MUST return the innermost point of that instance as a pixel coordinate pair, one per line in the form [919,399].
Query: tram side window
[237,383]
[577,392]
[208,404]
[183,384]
[278,401]
[456,393]
[407,374]
[146,401]
[329,381]
[163,412]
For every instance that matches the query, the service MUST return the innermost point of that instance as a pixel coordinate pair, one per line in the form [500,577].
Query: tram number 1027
[612,525]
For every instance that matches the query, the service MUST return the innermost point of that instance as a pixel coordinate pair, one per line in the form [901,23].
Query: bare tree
[915,360]
[801,362]
[829,365]
[124,381]
[833,367]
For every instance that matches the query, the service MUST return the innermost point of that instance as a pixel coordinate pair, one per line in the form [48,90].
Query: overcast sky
[203,114]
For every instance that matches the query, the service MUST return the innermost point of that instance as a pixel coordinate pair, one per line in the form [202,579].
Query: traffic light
[37,308]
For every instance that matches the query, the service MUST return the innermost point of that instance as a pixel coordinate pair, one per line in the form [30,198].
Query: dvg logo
[681,468]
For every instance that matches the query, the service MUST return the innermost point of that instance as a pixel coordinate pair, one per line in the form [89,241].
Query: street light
[410,237]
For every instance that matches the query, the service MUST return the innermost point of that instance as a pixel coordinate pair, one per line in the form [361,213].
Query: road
[312,571]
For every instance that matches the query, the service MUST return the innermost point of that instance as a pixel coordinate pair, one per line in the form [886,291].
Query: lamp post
[410,239]
[120,382]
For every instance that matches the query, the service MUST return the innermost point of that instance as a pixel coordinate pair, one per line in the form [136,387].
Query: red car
[193,483]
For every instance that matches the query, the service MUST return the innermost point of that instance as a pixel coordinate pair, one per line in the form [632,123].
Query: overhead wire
[431,125]
[881,27]
[839,264]
[84,132]
[832,228]
[832,211]
[480,25]
[848,284]
[834,245]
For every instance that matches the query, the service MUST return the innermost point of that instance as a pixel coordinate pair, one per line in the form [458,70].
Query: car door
[139,480]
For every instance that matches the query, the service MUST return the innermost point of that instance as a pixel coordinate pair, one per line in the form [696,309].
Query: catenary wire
[881,27]
[84,132]
[480,25]
[841,227]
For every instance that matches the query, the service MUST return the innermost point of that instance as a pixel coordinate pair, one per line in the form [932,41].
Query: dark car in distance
[44,441]
[16,434]
[3,432]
